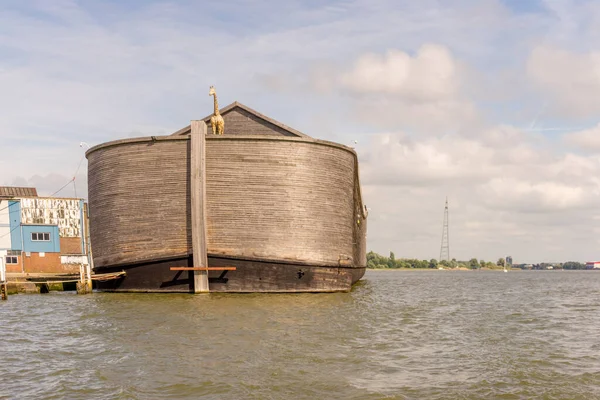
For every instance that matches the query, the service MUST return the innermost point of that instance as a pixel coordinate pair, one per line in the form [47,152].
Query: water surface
[397,335]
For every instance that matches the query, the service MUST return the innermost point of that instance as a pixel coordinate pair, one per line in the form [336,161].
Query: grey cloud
[55,184]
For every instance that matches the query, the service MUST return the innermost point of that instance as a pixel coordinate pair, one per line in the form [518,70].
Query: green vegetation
[573,265]
[377,261]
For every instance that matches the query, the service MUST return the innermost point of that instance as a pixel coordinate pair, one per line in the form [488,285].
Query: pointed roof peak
[278,126]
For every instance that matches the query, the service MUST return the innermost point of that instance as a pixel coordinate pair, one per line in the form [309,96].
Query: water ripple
[397,335]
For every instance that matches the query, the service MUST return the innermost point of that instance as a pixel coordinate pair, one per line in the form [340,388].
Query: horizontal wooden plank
[202,268]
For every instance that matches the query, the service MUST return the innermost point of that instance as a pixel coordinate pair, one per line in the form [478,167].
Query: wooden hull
[250,276]
[286,212]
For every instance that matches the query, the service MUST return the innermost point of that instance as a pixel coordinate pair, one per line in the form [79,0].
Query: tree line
[377,261]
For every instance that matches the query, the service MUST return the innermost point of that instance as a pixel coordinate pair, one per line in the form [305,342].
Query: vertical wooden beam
[84,286]
[88,249]
[198,199]
[81,286]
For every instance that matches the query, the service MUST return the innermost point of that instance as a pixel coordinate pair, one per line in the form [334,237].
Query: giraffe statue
[218,125]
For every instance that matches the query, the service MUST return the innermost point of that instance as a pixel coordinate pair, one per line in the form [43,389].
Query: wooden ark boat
[283,208]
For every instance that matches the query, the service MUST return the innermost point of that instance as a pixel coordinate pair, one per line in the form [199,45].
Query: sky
[493,104]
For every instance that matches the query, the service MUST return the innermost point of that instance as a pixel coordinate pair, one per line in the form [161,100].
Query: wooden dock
[18,282]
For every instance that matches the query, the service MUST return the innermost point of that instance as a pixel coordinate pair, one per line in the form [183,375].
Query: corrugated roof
[11,191]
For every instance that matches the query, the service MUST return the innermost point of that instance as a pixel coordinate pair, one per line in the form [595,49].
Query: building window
[40,237]
[12,260]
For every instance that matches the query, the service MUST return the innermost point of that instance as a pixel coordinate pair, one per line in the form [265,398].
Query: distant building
[509,260]
[41,234]
[592,265]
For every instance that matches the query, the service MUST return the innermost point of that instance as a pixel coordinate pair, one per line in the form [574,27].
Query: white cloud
[506,196]
[395,159]
[430,75]
[523,195]
[572,79]
[430,118]
[422,93]
[587,139]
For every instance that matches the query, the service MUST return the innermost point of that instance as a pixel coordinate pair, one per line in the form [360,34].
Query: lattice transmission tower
[445,249]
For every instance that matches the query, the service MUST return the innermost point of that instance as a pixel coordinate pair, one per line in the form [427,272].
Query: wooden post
[81,286]
[88,248]
[84,286]
[198,199]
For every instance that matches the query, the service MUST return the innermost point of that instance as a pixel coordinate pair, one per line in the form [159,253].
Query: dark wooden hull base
[250,276]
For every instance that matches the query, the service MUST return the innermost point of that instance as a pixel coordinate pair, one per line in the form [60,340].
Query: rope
[67,184]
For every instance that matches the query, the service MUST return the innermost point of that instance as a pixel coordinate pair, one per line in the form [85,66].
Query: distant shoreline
[445,269]
[418,269]
[468,269]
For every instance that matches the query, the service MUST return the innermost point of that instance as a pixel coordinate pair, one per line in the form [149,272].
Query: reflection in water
[426,334]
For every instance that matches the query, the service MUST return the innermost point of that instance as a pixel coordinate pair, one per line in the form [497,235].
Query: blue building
[41,234]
